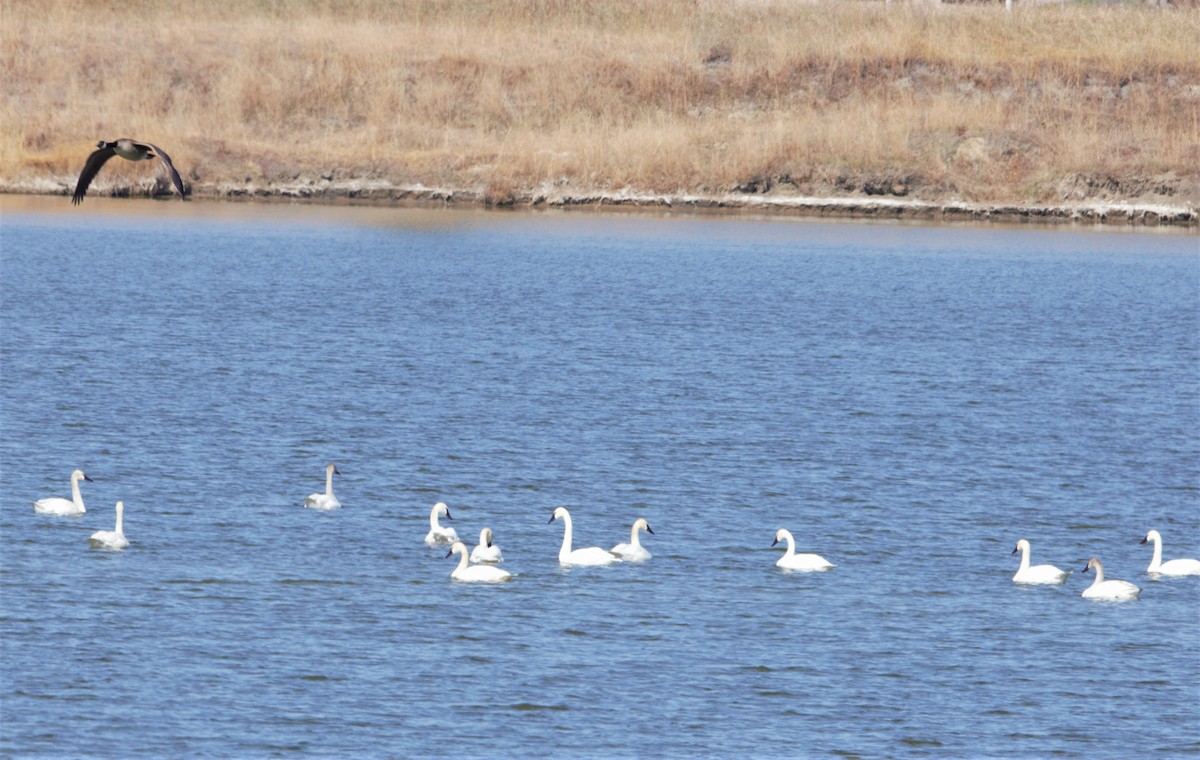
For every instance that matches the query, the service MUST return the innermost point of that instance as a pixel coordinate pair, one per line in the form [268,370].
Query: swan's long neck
[120,521]
[1099,573]
[791,544]
[78,497]
[633,537]
[463,560]
[1156,561]
[433,521]
[329,481]
[1024,558]
[565,551]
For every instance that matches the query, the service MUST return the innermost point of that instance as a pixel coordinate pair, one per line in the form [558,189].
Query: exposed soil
[1091,199]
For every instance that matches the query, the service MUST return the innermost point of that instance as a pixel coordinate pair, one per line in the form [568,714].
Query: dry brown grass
[667,96]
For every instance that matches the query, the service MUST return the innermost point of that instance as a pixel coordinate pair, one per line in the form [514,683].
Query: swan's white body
[60,506]
[634,551]
[437,534]
[327,500]
[793,561]
[111,539]
[591,556]
[1170,567]
[1037,574]
[475,573]
[1113,590]
[486,553]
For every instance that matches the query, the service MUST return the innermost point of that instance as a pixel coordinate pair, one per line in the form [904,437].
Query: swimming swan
[325,500]
[437,534]
[793,561]
[475,573]
[1171,567]
[593,555]
[111,539]
[633,551]
[486,553]
[1038,574]
[1110,590]
[59,506]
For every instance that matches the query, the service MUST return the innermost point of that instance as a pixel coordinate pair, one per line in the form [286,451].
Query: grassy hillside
[1044,104]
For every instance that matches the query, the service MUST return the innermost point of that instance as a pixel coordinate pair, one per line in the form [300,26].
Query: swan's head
[1152,536]
[1022,545]
[120,507]
[441,509]
[781,535]
[332,468]
[78,475]
[458,548]
[485,536]
[557,513]
[1093,563]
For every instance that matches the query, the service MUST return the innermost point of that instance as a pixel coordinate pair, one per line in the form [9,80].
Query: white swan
[111,539]
[1038,574]
[634,551]
[1107,590]
[486,553]
[437,534]
[327,500]
[60,506]
[593,555]
[793,561]
[1170,567]
[475,573]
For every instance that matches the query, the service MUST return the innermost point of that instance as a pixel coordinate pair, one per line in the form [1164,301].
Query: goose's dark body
[131,150]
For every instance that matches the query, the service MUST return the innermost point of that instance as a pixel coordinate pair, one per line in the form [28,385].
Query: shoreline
[379,192]
[1075,113]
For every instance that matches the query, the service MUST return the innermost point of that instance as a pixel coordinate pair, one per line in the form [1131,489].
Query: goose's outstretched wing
[162,155]
[94,162]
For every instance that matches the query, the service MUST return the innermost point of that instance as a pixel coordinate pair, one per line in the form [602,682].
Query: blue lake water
[908,401]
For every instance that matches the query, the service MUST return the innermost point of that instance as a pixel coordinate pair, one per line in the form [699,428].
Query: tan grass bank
[915,105]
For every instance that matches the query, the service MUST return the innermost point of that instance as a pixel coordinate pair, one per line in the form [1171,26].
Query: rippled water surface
[908,401]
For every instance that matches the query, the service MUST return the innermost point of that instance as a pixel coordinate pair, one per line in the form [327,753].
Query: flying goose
[128,149]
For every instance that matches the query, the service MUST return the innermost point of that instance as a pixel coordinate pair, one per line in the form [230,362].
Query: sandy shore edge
[382,193]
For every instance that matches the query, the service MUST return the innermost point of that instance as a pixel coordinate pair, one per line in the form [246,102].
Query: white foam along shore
[862,207]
